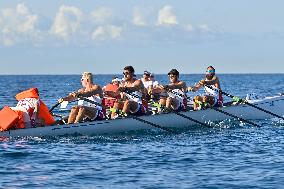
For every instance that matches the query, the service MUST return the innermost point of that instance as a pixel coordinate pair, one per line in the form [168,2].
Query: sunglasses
[210,71]
[126,73]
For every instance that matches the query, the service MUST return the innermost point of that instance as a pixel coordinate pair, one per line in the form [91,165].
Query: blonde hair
[88,75]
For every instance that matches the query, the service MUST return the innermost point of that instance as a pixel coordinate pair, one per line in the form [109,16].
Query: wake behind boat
[274,105]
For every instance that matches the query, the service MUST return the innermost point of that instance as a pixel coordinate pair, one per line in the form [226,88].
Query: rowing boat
[171,120]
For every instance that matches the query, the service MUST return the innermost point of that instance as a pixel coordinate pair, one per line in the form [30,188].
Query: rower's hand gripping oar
[237,99]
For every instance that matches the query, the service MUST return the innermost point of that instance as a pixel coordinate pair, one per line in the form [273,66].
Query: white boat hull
[273,104]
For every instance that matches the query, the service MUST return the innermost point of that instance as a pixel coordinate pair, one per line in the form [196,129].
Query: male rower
[92,108]
[132,91]
[213,96]
[176,89]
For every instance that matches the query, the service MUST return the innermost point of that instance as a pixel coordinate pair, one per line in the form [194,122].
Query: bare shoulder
[216,78]
[181,83]
[95,87]
[138,82]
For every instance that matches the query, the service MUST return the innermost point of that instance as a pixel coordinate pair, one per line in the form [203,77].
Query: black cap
[174,72]
[147,73]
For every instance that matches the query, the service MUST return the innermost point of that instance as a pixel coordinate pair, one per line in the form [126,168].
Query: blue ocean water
[232,156]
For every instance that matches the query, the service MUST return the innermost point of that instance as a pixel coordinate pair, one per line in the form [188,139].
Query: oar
[57,104]
[136,118]
[237,99]
[236,117]
[53,107]
[153,124]
[191,119]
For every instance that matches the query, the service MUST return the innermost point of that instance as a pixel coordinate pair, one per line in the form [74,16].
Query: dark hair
[174,72]
[211,68]
[129,68]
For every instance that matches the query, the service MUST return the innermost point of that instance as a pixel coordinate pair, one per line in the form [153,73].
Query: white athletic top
[135,95]
[94,98]
[177,94]
[147,84]
[212,92]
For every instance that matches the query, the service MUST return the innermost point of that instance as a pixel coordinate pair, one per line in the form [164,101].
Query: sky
[70,37]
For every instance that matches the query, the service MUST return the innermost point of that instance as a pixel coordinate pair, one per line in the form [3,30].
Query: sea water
[231,155]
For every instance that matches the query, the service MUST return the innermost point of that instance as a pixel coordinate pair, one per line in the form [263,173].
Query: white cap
[116,80]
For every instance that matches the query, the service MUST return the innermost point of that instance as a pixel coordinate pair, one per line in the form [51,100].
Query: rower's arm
[180,85]
[68,98]
[72,96]
[95,90]
[199,85]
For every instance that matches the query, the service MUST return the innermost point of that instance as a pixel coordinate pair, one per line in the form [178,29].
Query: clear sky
[69,37]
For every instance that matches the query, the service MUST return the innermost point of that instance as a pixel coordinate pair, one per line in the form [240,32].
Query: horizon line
[44,74]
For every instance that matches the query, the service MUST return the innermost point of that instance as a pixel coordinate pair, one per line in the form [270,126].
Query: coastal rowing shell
[171,120]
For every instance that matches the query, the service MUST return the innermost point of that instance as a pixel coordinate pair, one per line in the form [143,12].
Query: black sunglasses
[126,73]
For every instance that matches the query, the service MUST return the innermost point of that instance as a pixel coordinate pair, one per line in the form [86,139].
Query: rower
[151,85]
[146,79]
[86,110]
[176,100]
[132,91]
[213,97]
